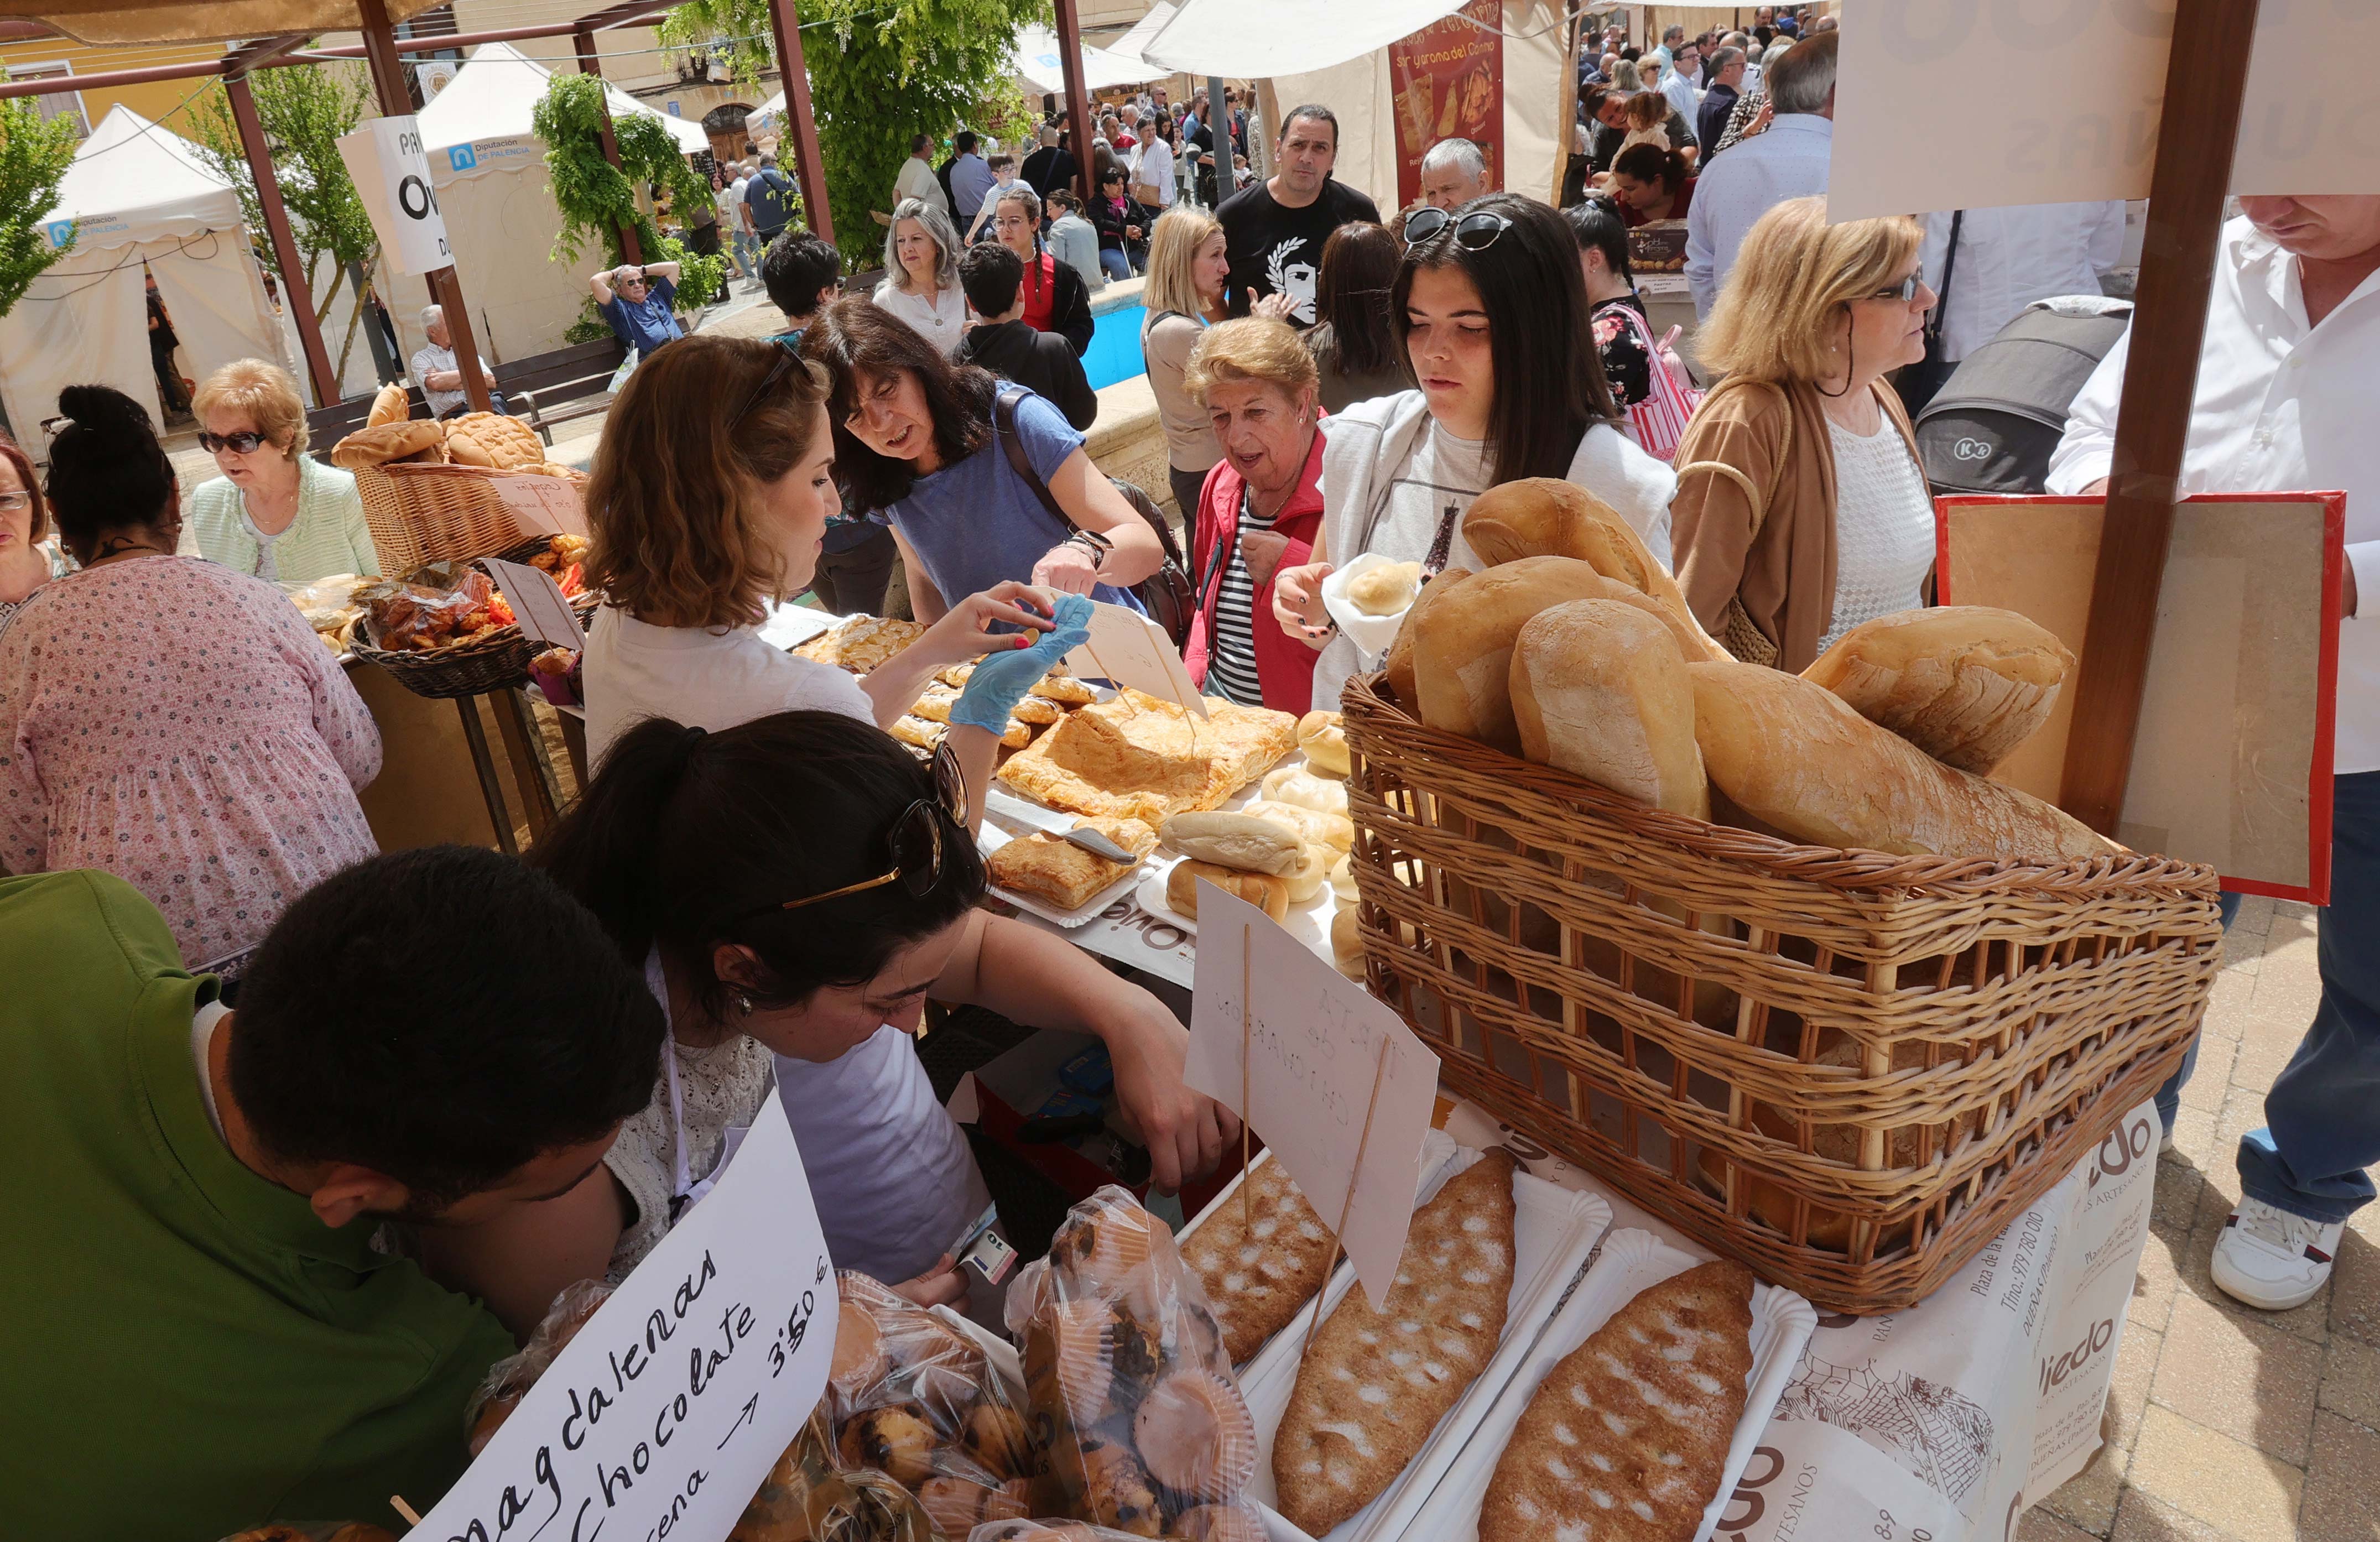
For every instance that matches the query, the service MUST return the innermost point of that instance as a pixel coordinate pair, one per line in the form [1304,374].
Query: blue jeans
[2169,1097]
[1115,263]
[748,253]
[2321,1119]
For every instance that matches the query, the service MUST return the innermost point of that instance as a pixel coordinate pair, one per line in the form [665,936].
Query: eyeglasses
[915,841]
[15,503]
[1904,291]
[238,443]
[1472,231]
[789,353]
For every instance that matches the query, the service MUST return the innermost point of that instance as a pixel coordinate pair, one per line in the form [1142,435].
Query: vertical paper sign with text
[670,1405]
[1315,1042]
[392,176]
[1127,648]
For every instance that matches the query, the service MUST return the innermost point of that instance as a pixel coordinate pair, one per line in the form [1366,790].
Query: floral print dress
[179,725]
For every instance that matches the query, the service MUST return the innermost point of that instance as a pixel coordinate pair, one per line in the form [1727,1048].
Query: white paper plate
[1310,923]
[990,838]
[1554,1229]
[1632,1261]
[1371,632]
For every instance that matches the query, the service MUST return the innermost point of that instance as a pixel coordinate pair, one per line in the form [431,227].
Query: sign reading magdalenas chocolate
[1447,82]
[669,1407]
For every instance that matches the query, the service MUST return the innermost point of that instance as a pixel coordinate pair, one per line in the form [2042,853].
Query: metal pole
[1078,100]
[785,26]
[445,288]
[2205,80]
[1218,134]
[631,249]
[294,293]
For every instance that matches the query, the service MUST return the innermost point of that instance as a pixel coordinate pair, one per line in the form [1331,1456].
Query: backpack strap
[1003,428]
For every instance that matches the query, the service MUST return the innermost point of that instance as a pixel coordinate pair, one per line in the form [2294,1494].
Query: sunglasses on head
[1472,231]
[915,839]
[238,443]
[788,356]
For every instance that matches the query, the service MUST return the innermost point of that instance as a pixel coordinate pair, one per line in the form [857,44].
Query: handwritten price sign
[669,1407]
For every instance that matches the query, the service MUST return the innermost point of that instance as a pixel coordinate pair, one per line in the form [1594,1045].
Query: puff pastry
[862,643]
[1054,869]
[1136,755]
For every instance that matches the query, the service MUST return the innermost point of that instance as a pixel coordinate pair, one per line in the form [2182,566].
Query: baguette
[1324,739]
[1966,683]
[1239,842]
[1544,517]
[1463,654]
[1797,757]
[1399,665]
[1599,689]
[1335,831]
[1267,892]
[389,405]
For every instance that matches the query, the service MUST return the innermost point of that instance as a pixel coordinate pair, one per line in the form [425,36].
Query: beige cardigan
[1755,517]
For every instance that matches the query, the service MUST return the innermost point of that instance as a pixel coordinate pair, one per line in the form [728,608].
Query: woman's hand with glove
[1001,681]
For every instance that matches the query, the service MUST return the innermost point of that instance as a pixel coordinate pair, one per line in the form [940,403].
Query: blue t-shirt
[650,323]
[976,523]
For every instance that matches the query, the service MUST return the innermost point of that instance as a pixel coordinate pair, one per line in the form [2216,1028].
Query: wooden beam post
[785,26]
[294,292]
[1078,100]
[2205,80]
[631,248]
[445,288]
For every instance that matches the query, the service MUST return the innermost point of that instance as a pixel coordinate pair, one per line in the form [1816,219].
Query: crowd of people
[208,946]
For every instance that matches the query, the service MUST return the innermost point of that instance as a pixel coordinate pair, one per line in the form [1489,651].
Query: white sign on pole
[1314,1040]
[537,602]
[1982,103]
[392,176]
[670,1405]
[1127,648]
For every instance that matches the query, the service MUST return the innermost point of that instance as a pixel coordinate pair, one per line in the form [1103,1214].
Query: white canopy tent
[1040,64]
[487,166]
[137,194]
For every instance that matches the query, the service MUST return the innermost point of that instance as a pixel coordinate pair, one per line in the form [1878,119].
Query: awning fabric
[217,20]
[1261,38]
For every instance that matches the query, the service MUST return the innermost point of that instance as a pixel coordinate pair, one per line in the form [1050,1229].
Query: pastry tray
[991,837]
[1631,1261]
[1554,1229]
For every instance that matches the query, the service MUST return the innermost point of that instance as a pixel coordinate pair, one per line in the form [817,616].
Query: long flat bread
[1626,1440]
[1257,1276]
[1373,1384]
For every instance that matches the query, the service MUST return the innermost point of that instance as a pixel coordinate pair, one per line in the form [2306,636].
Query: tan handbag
[1146,195]
[1737,632]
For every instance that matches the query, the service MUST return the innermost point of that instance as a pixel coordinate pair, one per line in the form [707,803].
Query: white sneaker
[2270,1258]
[2164,1141]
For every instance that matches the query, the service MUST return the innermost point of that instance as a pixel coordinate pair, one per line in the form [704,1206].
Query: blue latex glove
[1001,681]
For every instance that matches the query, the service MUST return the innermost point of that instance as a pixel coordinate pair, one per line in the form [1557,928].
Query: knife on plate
[1010,807]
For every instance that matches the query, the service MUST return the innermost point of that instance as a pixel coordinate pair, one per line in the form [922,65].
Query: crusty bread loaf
[1399,665]
[1385,590]
[492,439]
[1600,689]
[1462,653]
[1797,757]
[1335,831]
[1239,842]
[1265,892]
[389,441]
[1323,738]
[389,406]
[1544,517]
[1966,683]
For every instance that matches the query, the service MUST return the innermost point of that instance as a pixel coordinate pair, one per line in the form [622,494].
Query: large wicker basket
[422,512]
[1848,1070]
[498,662]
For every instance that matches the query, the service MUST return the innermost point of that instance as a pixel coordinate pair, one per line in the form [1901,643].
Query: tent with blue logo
[137,197]
[487,166]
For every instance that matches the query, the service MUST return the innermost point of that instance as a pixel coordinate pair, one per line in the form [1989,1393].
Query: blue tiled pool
[1114,352]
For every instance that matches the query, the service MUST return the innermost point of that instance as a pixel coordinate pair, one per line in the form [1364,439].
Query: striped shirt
[1231,671]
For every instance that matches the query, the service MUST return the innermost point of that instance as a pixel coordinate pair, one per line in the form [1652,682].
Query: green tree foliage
[597,198]
[880,75]
[33,158]
[303,109]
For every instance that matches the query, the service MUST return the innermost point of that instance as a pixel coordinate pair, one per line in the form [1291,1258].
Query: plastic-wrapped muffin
[996,1439]
[1117,1489]
[1194,1434]
[1219,1523]
[897,1441]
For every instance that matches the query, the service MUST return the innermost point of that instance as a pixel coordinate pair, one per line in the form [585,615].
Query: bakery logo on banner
[2057,1367]
[2125,1145]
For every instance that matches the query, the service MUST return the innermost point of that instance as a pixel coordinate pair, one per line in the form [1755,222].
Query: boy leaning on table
[200,1334]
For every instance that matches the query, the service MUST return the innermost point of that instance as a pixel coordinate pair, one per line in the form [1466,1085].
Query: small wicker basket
[1848,1070]
[495,663]
[423,512]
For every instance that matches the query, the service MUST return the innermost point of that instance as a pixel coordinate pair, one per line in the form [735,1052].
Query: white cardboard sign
[1981,103]
[537,602]
[670,1405]
[392,176]
[1315,1042]
[542,506]
[1127,648]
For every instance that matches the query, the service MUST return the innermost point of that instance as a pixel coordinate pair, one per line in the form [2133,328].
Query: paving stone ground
[2227,1424]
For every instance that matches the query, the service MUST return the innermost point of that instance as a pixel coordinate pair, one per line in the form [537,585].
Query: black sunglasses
[788,356]
[238,443]
[916,839]
[1472,231]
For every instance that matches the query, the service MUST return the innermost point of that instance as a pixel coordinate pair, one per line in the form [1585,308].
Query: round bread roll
[387,443]
[494,440]
[1399,665]
[389,406]
[1323,738]
[1267,892]
[1297,786]
[1347,943]
[1599,689]
[1306,882]
[1239,842]
[1386,590]
[1335,831]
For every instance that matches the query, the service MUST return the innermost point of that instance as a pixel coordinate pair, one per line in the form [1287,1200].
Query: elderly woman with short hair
[921,274]
[1259,511]
[276,513]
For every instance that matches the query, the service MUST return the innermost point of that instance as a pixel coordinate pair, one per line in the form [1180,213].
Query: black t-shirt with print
[1276,250]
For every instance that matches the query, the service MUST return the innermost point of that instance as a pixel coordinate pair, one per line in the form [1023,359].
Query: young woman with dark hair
[916,438]
[1488,308]
[792,888]
[1354,346]
[172,722]
[1651,182]
[1601,232]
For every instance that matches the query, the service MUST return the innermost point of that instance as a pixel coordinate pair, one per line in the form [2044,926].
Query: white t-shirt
[706,679]
[918,180]
[1152,162]
[991,197]
[940,320]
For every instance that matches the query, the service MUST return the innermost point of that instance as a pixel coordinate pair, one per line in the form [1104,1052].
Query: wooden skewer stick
[1379,1073]
[1101,665]
[1247,1109]
[412,1516]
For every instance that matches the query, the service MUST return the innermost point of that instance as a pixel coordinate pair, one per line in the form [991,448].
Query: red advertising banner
[1448,84]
